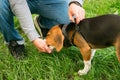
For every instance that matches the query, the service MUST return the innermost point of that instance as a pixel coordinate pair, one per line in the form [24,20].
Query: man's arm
[22,12]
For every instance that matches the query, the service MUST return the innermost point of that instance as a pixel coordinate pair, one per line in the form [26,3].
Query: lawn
[65,64]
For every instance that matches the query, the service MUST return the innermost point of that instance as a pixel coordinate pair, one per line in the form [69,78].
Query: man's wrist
[75,2]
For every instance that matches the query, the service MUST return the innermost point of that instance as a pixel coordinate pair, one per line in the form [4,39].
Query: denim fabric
[52,12]
[6,22]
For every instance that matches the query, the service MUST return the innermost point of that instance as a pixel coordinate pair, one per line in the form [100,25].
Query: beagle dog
[89,35]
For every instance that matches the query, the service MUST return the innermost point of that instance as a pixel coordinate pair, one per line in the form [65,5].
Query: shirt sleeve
[22,12]
[80,1]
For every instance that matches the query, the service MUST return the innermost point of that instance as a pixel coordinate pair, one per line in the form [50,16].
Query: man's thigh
[51,9]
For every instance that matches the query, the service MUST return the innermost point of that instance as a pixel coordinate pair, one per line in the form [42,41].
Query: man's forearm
[21,10]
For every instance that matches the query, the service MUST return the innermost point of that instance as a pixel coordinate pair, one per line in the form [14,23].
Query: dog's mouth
[52,48]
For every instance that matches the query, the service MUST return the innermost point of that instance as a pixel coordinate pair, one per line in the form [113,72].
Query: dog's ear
[55,38]
[58,39]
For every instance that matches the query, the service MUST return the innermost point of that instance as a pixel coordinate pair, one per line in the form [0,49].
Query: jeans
[52,12]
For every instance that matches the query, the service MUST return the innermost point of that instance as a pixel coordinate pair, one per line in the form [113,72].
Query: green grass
[65,64]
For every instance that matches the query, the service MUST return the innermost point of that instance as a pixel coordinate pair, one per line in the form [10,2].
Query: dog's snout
[51,47]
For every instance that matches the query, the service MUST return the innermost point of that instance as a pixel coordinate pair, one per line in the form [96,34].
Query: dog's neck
[68,42]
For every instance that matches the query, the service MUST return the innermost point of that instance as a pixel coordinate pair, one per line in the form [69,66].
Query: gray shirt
[22,12]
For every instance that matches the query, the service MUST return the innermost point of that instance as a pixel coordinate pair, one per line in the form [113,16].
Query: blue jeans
[52,12]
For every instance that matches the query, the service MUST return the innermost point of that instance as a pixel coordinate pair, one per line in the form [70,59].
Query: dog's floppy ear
[55,38]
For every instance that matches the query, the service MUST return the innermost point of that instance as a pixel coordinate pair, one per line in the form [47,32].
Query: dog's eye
[47,35]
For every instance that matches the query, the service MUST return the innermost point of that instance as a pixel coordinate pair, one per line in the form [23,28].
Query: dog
[90,34]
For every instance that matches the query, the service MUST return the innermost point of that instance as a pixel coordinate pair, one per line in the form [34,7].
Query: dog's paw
[82,72]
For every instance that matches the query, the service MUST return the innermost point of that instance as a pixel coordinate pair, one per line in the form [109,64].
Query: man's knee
[63,19]
[61,13]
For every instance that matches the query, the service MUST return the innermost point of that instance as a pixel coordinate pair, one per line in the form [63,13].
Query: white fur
[87,64]
[86,68]
[92,53]
[51,47]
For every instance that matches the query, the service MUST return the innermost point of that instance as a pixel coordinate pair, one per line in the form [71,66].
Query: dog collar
[67,43]
[73,35]
[64,29]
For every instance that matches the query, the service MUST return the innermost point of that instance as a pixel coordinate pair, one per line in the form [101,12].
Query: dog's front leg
[87,57]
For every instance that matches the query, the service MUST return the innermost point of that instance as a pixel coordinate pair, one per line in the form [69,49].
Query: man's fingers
[71,17]
[41,45]
[41,48]
[78,18]
[44,48]
[76,12]
[47,49]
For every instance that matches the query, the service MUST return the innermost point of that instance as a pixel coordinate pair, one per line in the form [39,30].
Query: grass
[65,64]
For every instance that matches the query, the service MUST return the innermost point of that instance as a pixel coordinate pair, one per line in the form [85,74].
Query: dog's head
[55,38]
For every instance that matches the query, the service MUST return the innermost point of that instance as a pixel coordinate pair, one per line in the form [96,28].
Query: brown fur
[55,38]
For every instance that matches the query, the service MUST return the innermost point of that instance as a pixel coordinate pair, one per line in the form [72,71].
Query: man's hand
[77,12]
[41,45]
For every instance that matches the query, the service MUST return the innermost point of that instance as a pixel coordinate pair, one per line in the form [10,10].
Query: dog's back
[101,30]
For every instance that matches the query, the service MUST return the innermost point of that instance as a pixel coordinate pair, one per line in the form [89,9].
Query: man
[51,12]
